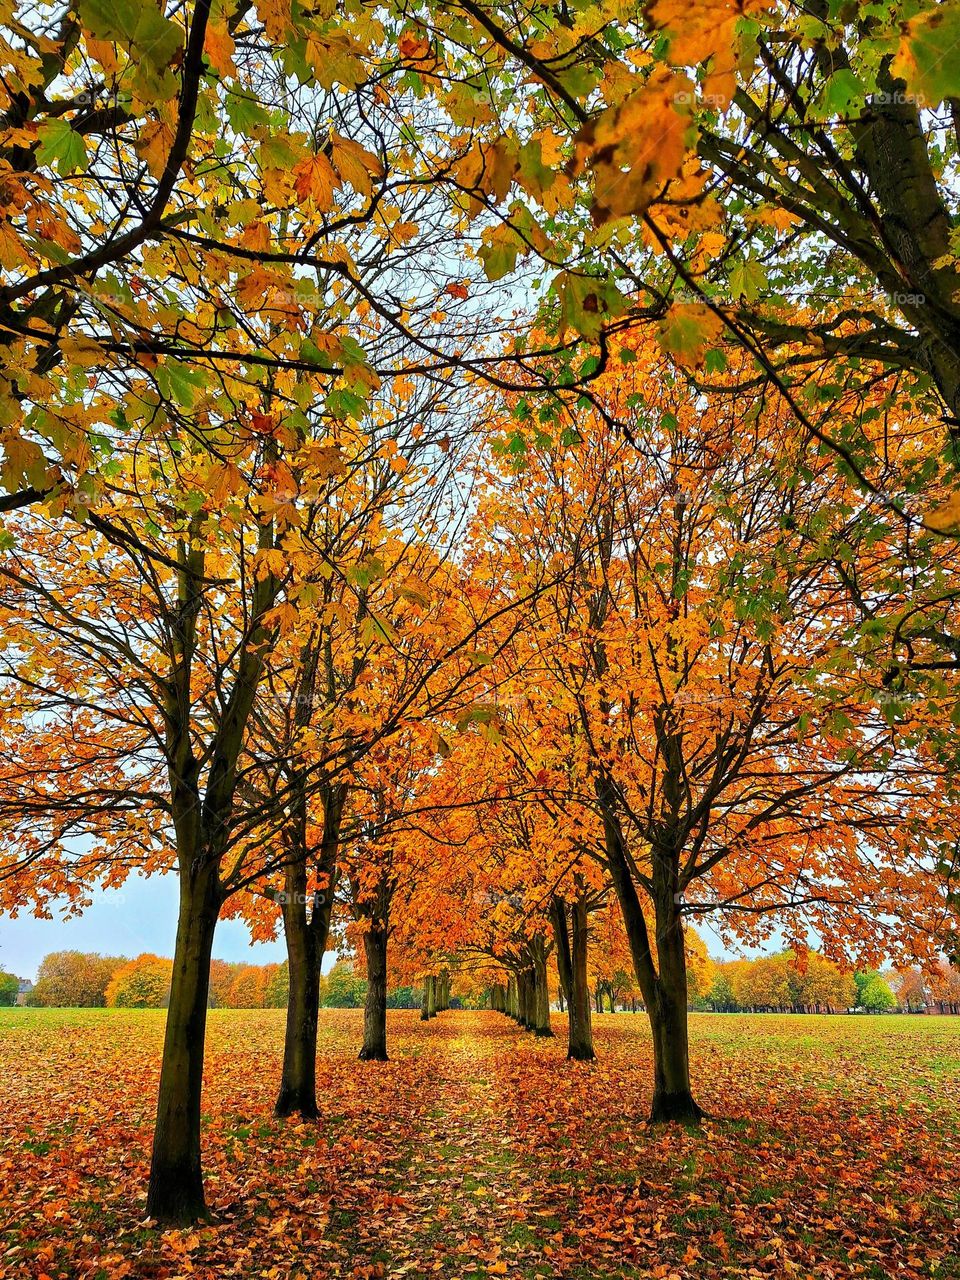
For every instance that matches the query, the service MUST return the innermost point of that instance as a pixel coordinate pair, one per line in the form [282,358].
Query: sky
[142,916]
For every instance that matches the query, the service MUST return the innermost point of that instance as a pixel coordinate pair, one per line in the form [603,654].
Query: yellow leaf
[706,32]
[635,148]
[354,163]
[687,330]
[153,145]
[946,517]
[315,181]
[84,352]
[219,45]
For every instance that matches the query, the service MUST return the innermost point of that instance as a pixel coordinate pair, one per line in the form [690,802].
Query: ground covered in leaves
[479,1151]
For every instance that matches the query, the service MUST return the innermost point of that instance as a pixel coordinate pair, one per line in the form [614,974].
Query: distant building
[23,990]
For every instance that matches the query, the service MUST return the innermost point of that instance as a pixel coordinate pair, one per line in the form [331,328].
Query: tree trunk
[306,939]
[580,1042]
[539,990]
[664,992]
[298,1077]
[523,998]
[432,1004]
[375,1009]
[429,1007]
[561,940]
[672,1095]
[512,1006]
[175,1193]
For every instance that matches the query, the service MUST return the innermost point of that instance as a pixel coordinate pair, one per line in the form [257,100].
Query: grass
[477,1151]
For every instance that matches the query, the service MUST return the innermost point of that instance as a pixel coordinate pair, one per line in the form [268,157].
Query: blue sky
[142,916]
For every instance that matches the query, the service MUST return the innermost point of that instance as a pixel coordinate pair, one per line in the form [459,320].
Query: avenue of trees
[480,483]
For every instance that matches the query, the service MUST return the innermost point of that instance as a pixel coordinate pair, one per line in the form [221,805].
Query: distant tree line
[934,992]
[77,979]
[788,983]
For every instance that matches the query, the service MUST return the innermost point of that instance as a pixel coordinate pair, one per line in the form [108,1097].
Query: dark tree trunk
[539,991]
[672,1095]
[375,1009]
[580,1045]
[175,1193]
[561,939]
[298,1077]
[523,998]
[306,938]
[512,1007]
[665,991]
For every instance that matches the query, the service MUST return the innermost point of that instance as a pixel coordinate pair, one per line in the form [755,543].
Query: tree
[682,674]
[874,994]
[9,987]
[74,978]
[721,996]
[249,987]
[739,141]
[945,987]
[911,991]
[277,993]
[222,975]
[143,983]
[342,988]
[205,329]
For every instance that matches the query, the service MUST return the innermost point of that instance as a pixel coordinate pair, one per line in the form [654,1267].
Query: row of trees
[935,989]
[782,982]
[332,589]
[88,980]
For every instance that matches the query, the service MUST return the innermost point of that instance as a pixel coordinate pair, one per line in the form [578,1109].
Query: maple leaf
[635,148]
[945,518]
[413,46]
[687,330]
[354,163]
[924,59]
[219,46]
[706,32]
[315,181]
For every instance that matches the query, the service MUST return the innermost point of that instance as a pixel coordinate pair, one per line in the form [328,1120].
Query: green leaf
[838,93]
[374,629]
[113,20]
[927,60]
[747,279]
[179,383]
[60,145]
[480,659]
[587,302]
[499,257]
[245,113]
[141,26]
[344,404]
